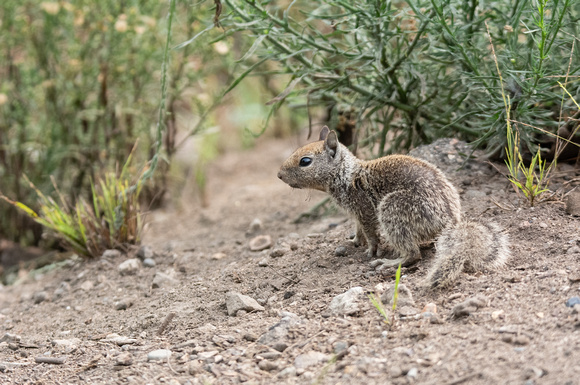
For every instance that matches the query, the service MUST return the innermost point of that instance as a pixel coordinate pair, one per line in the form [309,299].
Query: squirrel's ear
[331,143]
[323,133]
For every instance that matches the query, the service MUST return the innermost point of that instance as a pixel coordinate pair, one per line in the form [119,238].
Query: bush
[80,83]
[411,72]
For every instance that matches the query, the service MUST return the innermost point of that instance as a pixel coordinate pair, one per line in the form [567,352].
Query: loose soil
[522,332]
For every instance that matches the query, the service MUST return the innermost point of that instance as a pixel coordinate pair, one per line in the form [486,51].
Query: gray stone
[572,301]
[413,373]
[468,306]
[149,262]
[236,302]
[62,289]
[278,333]
[159,355]
[573,250]
[145,252]
[118,340]
[124,359]
[161,280]
[129,267]
[340,251]
[287,372]
[347,303]
[255,226]
[311,358]
[263,262]
[111,254]
[40,296]
[124,304]
[279,251]
[9,337]
[267,366]
[87,285]
[405,297]
[573,203]
[261,242]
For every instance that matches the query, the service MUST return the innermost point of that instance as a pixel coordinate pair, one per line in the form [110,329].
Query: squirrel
[402,200]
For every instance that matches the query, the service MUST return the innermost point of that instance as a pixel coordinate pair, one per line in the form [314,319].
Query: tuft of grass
[112,219]
[378,304]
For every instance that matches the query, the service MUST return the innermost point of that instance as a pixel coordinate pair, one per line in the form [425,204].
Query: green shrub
[418,70]
[80,82]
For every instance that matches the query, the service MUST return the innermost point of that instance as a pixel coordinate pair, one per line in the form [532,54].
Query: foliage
[417,70]
[80,83]
[379,306]
[112,220]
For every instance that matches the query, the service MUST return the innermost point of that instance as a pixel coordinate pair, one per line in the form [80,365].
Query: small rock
[277,334]
[287,372]
[405,297]
[413,373]
[308,359]
[270,355]
[255,226]
[63,288]
[407,311]
[263,262]
[280,346]
[236,302]
[569,303]
[69,344]
[124,359]
[430,307]
[217,256]
[164,280]
[111,254]
[339,346]
[129,267]
[340,251]
[573,250]
[468,306]
[87,285]
[250,337]
[573,203]
[279,251]
[261,242]
[145,252]
[124,304]
[40,296]
[396,371]
[207,355]
[149,262]
[543,225]
[348,302]
[159,355]
[9,337]
[267,366]
[119,340]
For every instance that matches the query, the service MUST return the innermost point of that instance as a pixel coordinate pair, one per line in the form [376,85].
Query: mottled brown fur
[402,200]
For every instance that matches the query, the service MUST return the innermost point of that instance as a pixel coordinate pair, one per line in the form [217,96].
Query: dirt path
[110,327]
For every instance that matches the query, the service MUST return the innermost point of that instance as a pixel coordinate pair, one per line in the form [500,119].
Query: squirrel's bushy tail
[468,246]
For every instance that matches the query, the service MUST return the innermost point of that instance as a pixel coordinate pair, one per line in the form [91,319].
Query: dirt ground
[104,327]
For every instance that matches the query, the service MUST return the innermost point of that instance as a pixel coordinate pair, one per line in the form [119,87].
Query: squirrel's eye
[305,161]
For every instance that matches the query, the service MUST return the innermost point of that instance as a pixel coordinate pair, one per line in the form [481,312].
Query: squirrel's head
[312,166]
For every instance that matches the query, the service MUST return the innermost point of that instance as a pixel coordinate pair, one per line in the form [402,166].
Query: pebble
[340,251]
[158,355]
[279,251]
[573,250]
[280,346]
[129,267]
[572,301]
[236,302]
[573,203]
[217,256]
[263,262]
[149,262]
[207,355]
[71,344]
[287,372]
[124,359]
[111,254]
[161,280]
[348,302]
[87,285]
[145,252]
[468,306]
[255,226]
[267,366]
[261,242]
[407,311]
[62,289]
[124,304]
[339,346]
[250,337]
[308,359]
[405,297]
[119,340]
[413,373]
[9,337]
[278,333]
[430,307]
[40,296]
[270,355]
